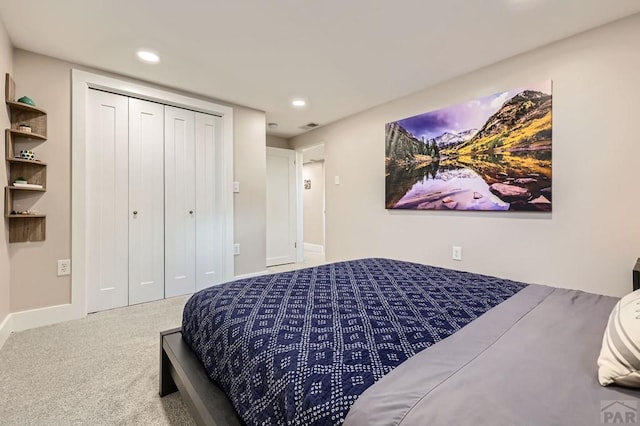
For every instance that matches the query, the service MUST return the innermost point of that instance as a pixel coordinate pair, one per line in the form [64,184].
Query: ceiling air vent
[310,126]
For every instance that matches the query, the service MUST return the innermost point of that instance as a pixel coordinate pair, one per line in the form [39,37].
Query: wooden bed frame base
[180,370]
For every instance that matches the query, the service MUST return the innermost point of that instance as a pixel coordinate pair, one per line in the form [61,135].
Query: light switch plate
[456,253]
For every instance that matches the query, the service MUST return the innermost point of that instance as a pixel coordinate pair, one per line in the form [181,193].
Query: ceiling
[342,56]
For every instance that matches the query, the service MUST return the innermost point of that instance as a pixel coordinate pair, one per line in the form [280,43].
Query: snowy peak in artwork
[468,134]
[450,139]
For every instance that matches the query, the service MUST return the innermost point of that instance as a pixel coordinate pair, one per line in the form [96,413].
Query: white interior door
[208,218]
[180,213]
[146,201]
[281,206]
[107,201]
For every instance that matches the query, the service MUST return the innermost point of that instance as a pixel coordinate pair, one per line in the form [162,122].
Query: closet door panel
[146,201]
[208,220]
[107,197]
[180,209]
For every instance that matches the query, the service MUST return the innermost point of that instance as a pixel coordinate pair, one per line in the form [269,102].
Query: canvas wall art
[492,153]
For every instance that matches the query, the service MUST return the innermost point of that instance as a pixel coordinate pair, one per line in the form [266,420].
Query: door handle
[135,212]
[190,211]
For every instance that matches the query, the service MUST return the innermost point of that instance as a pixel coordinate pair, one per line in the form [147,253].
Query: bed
[387,342]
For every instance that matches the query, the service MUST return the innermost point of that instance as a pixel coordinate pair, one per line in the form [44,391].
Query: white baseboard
[43,316]
[5,329]
[313,248]
[251,275]
[18,321]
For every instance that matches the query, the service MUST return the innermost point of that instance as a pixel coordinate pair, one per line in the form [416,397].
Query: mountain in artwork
[523,123]
[451,139]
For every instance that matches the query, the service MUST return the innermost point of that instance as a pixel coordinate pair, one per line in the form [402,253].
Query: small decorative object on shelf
[30,212]
[20,180]
[27,185]
[24,128]
[27,154]
[26,100]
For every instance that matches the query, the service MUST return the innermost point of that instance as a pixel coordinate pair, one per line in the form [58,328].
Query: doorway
[281,207]
[313,204]
[295,208]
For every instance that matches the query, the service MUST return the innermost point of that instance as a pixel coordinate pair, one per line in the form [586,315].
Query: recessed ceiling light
[526,3]
[298,102]
[148,56]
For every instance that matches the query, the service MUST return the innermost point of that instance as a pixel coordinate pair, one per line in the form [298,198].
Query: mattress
[529,361]
[302,347]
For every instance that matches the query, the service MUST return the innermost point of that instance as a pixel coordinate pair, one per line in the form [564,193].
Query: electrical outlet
[456,253]
[236,249]
[64,267]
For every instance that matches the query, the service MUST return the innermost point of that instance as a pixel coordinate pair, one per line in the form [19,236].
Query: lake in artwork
[492,153]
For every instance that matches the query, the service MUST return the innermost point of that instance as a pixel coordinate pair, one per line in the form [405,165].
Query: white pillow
[619,360]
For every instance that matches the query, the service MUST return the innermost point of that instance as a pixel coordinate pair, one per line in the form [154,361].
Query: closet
[152,220]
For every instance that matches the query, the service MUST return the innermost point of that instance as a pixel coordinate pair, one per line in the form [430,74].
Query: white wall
[277,142]
[6,66]
[313,203]
[250,205]
[591,239]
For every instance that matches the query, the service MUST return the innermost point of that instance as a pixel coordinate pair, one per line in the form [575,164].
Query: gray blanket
[529,361]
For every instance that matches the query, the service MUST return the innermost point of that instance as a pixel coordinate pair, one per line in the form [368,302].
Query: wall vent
[310,126]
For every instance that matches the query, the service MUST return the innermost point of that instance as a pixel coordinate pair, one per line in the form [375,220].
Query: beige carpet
[101,370]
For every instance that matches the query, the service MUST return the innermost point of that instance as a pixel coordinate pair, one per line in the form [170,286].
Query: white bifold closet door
[208,214]
[192,258]
[107,201]
[153,217]
[125,209]
[180,201]
[146,201]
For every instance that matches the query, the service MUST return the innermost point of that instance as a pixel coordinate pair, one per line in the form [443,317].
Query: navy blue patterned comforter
[299,347]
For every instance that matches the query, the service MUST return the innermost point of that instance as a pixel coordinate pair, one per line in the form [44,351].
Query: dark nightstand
[636,276]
